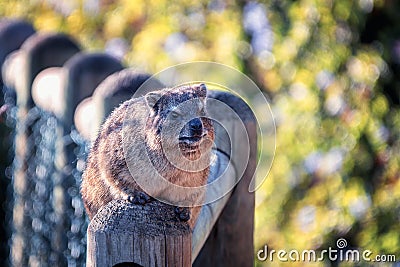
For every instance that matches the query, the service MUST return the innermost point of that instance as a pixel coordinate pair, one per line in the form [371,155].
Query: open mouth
[190,143]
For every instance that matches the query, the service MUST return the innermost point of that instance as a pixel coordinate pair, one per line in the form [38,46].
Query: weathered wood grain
[149,235]
[230,242]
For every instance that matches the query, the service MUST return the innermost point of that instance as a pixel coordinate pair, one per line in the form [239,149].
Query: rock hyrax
[146,125]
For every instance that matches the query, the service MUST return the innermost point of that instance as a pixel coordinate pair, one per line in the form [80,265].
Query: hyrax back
[163,134]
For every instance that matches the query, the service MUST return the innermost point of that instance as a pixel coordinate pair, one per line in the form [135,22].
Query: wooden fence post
[114,90]
[37,53]
[12,34]
[85,72]
[230,242]
[149,235]
[81,75]
[58,91]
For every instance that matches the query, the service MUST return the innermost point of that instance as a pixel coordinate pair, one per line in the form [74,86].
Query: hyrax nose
[196,126]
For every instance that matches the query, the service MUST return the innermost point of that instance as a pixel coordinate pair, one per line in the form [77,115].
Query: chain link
[31,198]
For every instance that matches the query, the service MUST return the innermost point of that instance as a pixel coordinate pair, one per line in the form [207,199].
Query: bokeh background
[331,71]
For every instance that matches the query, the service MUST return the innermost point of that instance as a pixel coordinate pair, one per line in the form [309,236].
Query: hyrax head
[178,119]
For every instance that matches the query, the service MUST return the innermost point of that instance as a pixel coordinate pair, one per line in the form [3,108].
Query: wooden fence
[59,98]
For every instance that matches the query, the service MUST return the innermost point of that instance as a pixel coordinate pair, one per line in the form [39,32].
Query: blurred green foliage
[331,70]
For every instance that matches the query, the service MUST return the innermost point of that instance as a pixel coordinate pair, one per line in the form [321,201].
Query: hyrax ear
[152,98]
[201,90]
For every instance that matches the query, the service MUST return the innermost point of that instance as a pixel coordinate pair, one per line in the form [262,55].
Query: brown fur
[142,130]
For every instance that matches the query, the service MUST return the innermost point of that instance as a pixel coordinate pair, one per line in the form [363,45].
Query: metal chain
[77,233]
[31,199]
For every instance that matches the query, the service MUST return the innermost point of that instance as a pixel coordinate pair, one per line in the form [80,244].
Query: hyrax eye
[174,114]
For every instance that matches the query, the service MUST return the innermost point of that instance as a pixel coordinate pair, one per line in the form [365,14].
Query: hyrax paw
[182,213]
[139,198]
